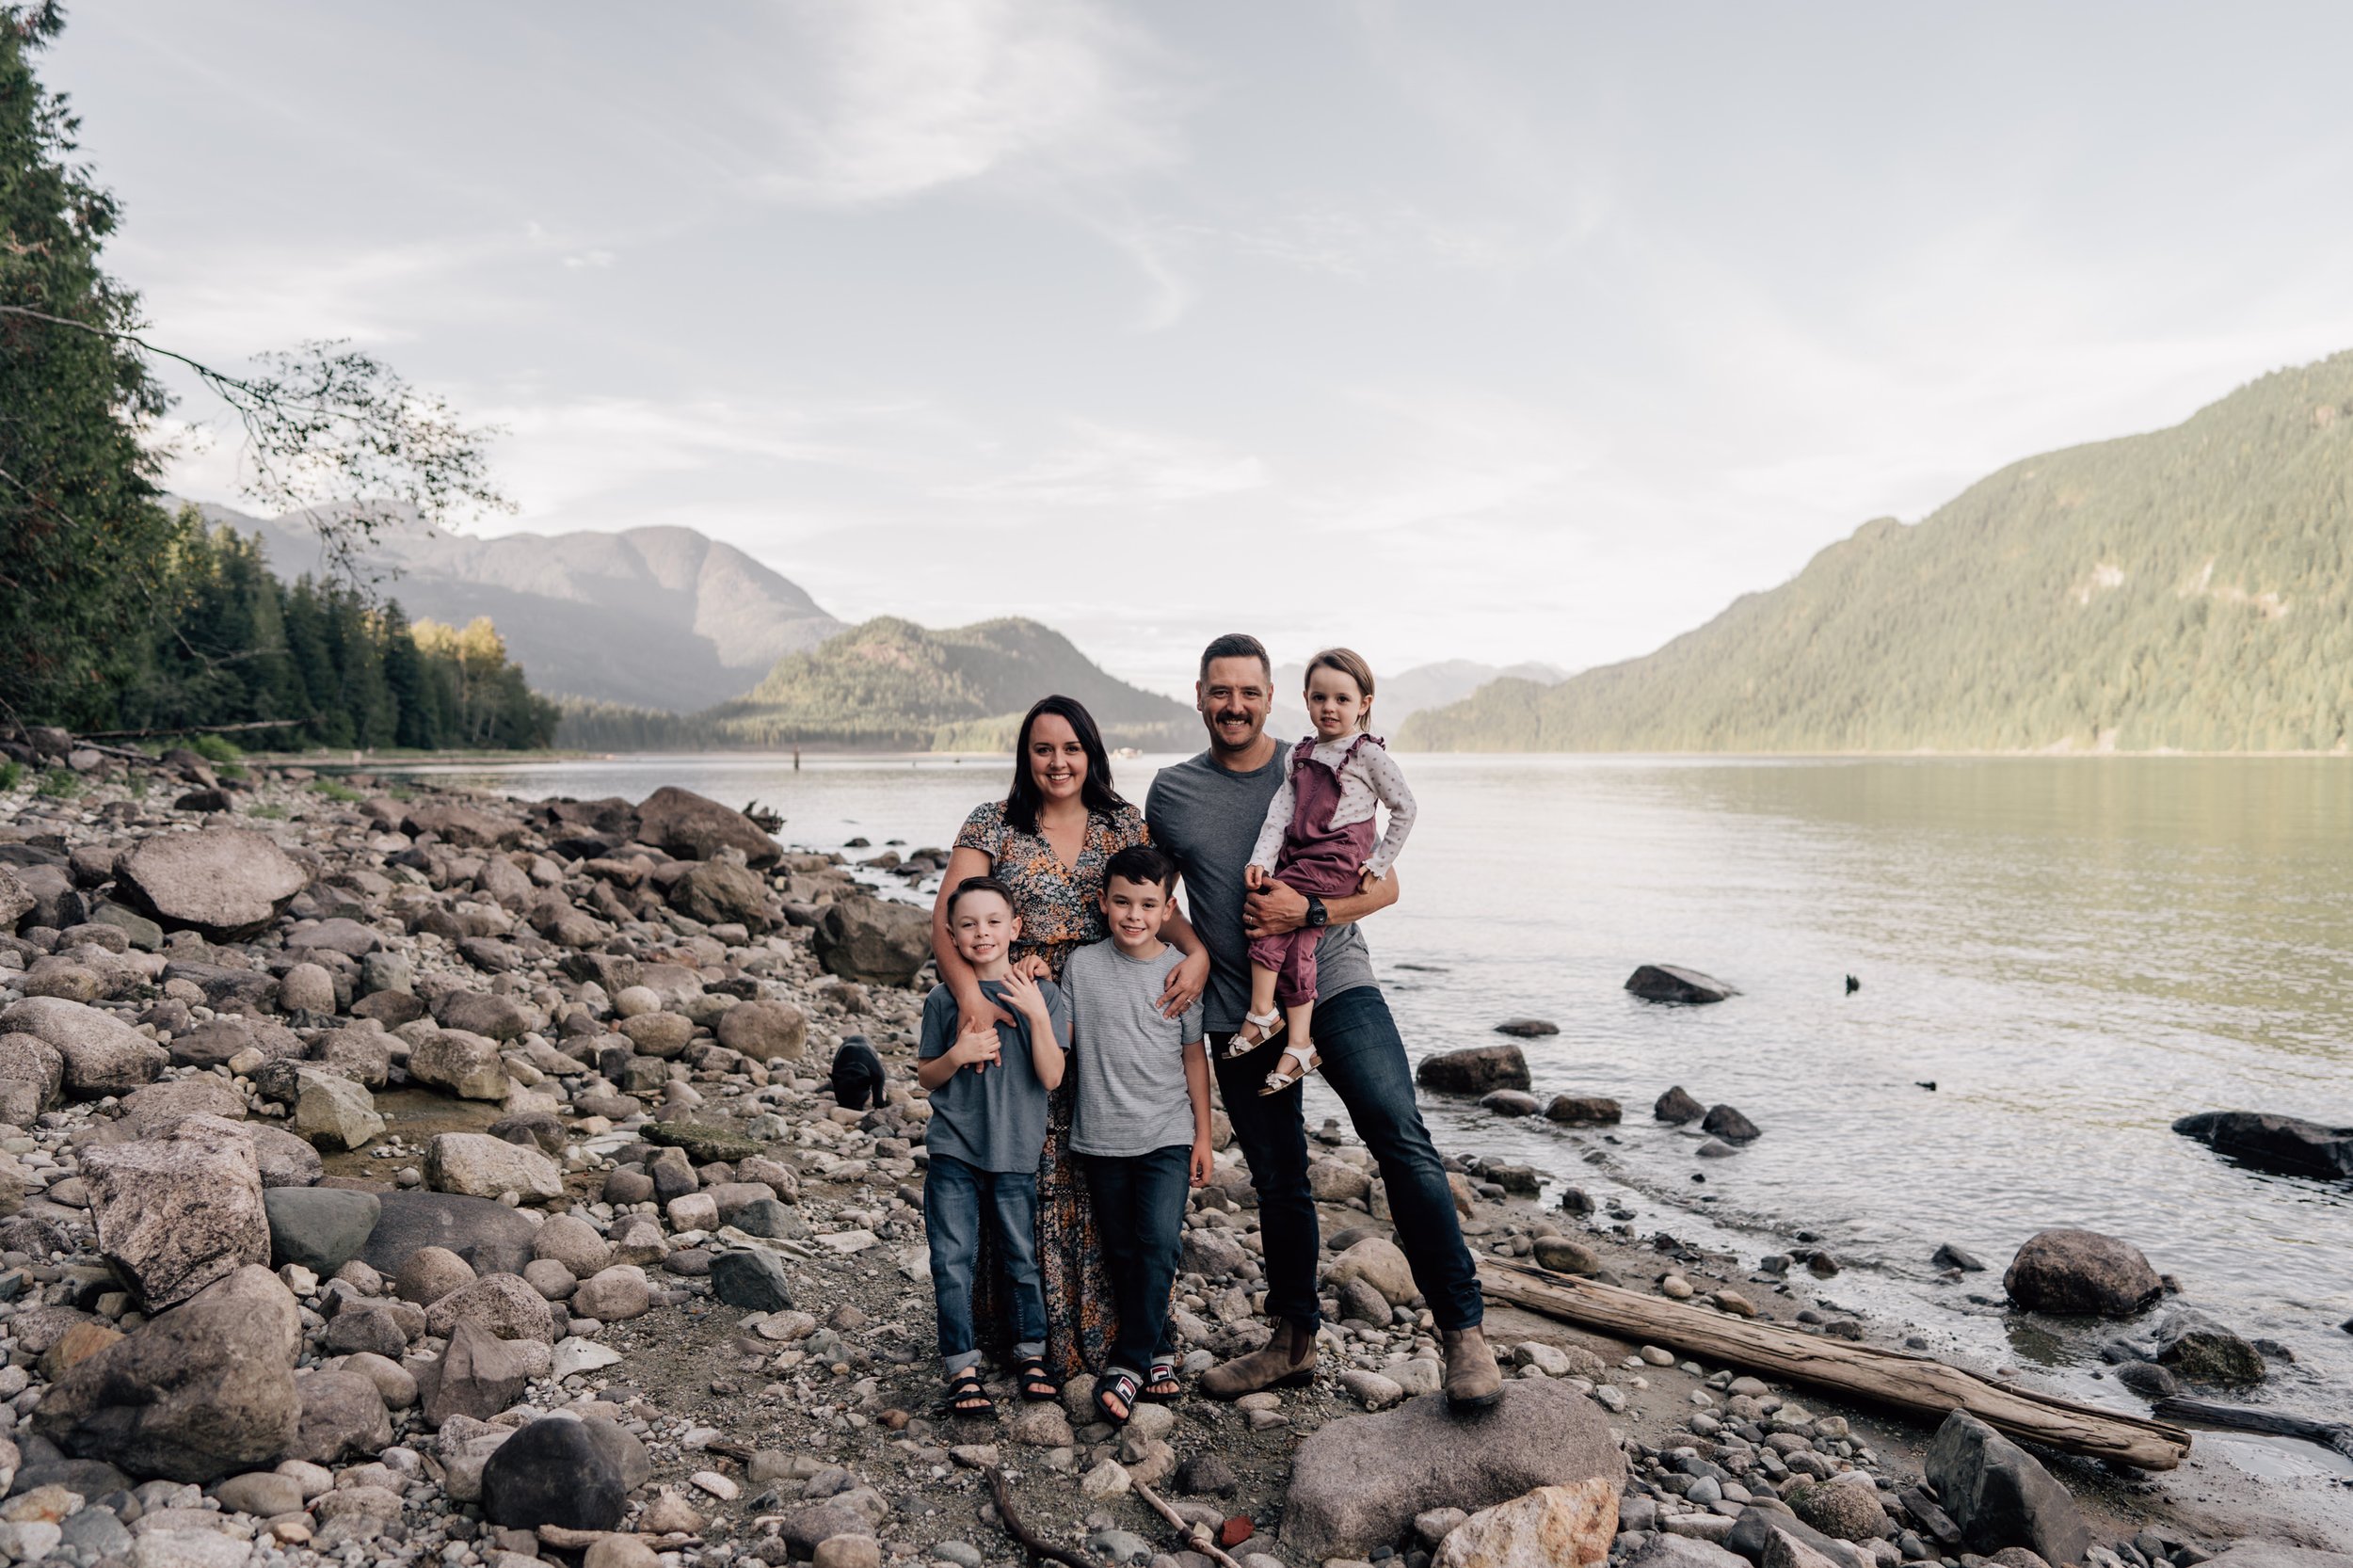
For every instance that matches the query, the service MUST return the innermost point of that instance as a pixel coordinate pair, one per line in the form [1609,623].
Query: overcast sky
[1500,331]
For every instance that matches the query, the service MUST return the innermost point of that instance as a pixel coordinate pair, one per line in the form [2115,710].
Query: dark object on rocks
[205,800]
[2149,1380]
[692,828]
[1949,1257]
[552,1472]
[322,1228]
[754,1281]
[1510,1103]
[1584,1111]
[202,1391]
[1528,1029]
[1575,1200]
[2081,1273]
[491,1237]
[2197,1413]
[2207,1353]
[1676,1107]
[1668,983]
[1729,1124]
[858,1075]
[1357,1483]
[1473,1070]
[1853,985]
[226,883]
[880,942]
[1999,1495]
[2273,1143]
[703,1144]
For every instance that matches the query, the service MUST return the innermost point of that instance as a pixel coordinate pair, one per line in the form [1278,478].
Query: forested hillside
[2182,590]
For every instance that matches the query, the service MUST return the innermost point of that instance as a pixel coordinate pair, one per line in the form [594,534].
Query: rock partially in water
[2207,1353]
[1676,1107]
[2081,1273]
[1951,1256]
[1473,1070]
[1528,1029]
[1584,1111]
[1510,1103]
[1726,1122]
[1672,982]
[2287,1144]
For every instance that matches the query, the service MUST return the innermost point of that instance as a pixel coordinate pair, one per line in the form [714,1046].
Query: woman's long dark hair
[1095,791]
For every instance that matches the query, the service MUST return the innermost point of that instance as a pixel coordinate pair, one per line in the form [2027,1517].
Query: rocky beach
[402,1174]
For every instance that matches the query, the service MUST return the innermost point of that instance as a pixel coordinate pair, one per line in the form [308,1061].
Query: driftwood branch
[1200,1536]
[1036,1545]
[1915,1384]
[2197,1413]
[191,729]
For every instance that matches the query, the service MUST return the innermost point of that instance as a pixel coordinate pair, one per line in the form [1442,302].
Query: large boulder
[1473,1070]
[2273,1143]
[866,938]
[2081,1273]
[1553,1527]
[715,891]
[765,1030]
[693,828]
[1999,1495]
[102,1054]
[1357,1482]
[202,1391]
[1673,983]
[224,883]
[178,1212]
[480,1166]
[491,1236]
[465,1064]
[320,1227]
[554,1472]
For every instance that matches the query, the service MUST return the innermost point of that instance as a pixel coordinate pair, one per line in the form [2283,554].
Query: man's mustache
[1230,717]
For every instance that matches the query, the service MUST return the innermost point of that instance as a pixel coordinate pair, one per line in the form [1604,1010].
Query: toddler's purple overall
[1316,858]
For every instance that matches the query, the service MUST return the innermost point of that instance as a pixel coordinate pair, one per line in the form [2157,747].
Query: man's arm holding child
[1197,1090]
[1274,908]
[1048,1018]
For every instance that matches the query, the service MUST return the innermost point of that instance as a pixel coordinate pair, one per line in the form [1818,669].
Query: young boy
[986,1133]
[1142,1123]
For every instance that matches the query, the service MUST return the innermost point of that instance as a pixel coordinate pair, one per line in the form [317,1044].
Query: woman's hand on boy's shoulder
[1023,992]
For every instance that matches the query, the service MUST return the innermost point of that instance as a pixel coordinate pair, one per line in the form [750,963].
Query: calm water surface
[2073,953]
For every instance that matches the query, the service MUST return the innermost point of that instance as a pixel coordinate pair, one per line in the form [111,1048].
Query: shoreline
[687,1357]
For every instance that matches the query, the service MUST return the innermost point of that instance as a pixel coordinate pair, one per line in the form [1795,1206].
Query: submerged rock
[2273,1143]
[1670,983]
[2081,1273]
[1676,1106]
[1473,1070]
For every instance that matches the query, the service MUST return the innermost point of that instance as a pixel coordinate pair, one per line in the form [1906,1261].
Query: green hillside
[2182,590]
[891,683]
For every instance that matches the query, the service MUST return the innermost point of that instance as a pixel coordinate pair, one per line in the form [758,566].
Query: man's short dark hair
[1142,863]
[1237,645]
[980,885]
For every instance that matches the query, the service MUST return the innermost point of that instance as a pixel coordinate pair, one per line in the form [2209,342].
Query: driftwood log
[2232,1417]
[1915,1384]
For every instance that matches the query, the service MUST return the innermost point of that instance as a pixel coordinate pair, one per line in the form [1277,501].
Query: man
[1206,812]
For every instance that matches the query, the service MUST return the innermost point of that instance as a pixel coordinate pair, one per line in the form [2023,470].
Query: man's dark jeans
[1364,1062]
[956,1196]
[1140,1212]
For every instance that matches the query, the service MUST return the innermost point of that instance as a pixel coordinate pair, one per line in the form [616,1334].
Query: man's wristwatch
[1318,916]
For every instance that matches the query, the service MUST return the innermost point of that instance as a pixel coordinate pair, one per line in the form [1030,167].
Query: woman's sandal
[1036,1386]
[963,1389]
[1278,1080]
[1160,1386]
[1266,1027]
[1115,1386]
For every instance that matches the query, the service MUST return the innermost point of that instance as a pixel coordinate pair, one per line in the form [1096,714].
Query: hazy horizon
[1541,339]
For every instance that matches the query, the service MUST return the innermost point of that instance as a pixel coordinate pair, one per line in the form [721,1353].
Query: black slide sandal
[963,1389]
[1036,1386]
[1115,1386]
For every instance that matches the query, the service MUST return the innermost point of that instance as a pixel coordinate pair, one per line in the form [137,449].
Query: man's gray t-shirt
[1128,1059]
[996,1120]
[1209,819]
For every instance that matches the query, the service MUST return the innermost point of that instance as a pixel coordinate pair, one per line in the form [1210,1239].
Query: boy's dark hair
[980,885]
[1142,863]
[1237,645]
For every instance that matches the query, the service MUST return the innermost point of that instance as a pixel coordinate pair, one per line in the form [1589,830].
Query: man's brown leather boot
[1290,1358]
[1472,1382]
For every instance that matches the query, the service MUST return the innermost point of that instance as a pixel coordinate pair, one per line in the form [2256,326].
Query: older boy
[1141,1122]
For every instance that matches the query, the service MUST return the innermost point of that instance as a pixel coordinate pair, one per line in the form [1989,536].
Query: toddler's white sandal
[1278,1080]
[1268,1025]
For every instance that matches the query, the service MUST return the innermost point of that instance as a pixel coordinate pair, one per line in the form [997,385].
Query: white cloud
[1102,467]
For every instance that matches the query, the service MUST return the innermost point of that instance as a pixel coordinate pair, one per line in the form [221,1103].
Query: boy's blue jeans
[956,1198]
[1140,1209]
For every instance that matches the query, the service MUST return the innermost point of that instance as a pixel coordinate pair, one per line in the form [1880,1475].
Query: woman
[1049,841]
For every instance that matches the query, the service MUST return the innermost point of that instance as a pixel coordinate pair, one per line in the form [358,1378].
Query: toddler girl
[1318,841]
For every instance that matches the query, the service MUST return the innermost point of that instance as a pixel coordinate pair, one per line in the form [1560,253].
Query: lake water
[2074,952]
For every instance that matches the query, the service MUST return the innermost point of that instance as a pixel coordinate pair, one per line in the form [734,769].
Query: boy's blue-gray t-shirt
[996,1120]
[1128,1060]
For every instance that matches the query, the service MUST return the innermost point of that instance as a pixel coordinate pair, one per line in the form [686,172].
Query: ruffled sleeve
[985,830]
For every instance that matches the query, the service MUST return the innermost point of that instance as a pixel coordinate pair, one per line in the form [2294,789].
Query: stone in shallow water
[1673,983]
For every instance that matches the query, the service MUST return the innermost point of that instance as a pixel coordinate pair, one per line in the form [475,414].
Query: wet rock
[680,822]
[203,1390]
[320,1228]
[491,1236]
[2207,1353]
[1670,983]
[2287,1144]
[333,1112]
[1725,1122]
[552,1472]
[102,1054]
[178,1212]
[866,938]
[1473,1070]
[474,1164]
[1510,1102]
[1583,1110]
[1552,1527]
[2149,1380]
[1528,1029]
[1951,1256]
[1998,1496]
[1357,1482]
[341,1414]
[2081,1273]
[225,883]
[502,1304]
